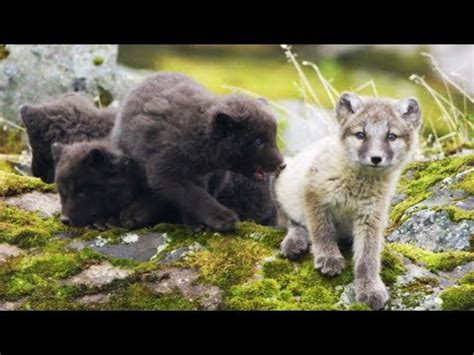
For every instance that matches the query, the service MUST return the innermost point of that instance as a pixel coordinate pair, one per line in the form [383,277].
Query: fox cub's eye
[360,135]
[258,142]
[391,137]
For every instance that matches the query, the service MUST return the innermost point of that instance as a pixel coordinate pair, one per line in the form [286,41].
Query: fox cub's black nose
[375,160]
[282,166]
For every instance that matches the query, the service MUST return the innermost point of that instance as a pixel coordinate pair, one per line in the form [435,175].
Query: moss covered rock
[436,208]
[46,265]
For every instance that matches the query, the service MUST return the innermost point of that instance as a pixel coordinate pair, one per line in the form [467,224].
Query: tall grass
[459,120]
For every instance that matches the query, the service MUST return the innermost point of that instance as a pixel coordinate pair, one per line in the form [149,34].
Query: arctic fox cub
[341,187]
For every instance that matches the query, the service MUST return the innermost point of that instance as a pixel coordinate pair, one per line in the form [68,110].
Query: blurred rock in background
[457,62]
[35,73]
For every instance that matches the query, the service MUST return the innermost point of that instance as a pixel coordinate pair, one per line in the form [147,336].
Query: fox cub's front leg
[368,243]
[327,256]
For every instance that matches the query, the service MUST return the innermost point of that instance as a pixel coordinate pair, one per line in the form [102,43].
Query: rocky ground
[428,261]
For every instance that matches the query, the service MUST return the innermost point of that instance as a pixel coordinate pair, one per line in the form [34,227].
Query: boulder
[35,73]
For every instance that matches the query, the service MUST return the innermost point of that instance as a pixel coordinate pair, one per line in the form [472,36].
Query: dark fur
[178,132]
[72,118]
[99,185]
[249,199]
[68,119]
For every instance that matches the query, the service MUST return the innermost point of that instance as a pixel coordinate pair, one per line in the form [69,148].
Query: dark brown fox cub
[178,132]
[99,185]
[68,119]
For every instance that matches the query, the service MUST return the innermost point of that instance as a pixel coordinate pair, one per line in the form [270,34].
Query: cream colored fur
[330,191]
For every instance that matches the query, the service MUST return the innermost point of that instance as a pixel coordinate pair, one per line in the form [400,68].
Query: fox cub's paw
[295,244]
[224,221]
[374,294]
[329,264]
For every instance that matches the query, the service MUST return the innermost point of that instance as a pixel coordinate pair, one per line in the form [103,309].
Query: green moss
[433,261]
[26,229]
[180,236]
[98,60]
[426,174]
[12,184]
[25,237]
[111,236]
[392,267]
[399,209]
[53,298]
[297,285]
[418,177]
[57,266]
[11,141]
[6,167]
[139,297]
[289,285]
[465,184]
[267,294]
[35,274]
[277,269]
[228,262]
[457,214]
[467,279]
[267,236]
[458,298]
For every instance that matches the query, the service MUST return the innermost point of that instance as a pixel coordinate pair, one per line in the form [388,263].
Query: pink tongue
[260,175]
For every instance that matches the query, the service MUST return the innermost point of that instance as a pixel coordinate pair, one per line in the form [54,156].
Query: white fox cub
[341,187]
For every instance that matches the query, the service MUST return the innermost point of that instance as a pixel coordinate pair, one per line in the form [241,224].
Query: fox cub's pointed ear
[27,114]
[410,110]
[57,150]
[347,105]
[224,124]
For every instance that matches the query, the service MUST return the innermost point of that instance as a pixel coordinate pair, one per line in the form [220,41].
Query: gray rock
[467,204]
[184,281]
[458,272]
[78,244]
[11,306]
[403,297]
[180,253]
[417,289]
[67,235]
[35,73]
[429,227]
[443,194]
[98,298]
[142,247]
[456,62]
[135,247]
[427,287]
[348,295]
[46,204]
[434,231]
[9,251]
[99,275]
